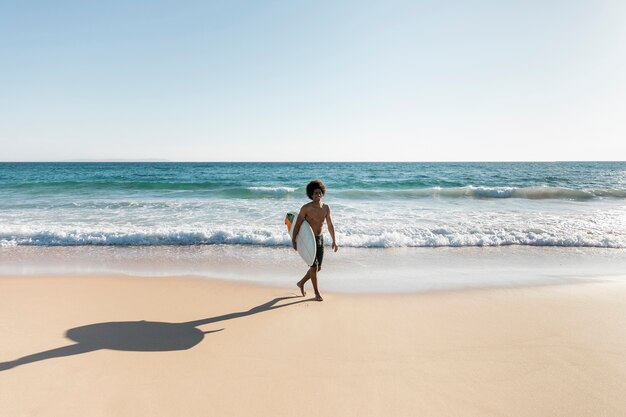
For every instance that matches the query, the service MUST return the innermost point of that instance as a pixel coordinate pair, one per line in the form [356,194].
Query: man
[315,212]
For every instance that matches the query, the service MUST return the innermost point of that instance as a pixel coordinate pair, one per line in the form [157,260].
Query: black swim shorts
[319,255]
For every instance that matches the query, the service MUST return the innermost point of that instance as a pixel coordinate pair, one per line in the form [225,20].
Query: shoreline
[129,346]
[351,270]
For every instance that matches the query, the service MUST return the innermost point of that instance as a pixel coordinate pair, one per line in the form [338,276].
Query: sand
[129,346]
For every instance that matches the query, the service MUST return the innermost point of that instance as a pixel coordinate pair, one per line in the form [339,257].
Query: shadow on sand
[141,336]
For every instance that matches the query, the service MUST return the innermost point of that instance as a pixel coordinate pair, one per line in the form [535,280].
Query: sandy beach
[459,171]
[130,346]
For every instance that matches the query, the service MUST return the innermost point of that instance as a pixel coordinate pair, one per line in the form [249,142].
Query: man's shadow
[140,336]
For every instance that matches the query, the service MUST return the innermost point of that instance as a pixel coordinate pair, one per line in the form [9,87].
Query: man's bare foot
[318,297]
[301,286]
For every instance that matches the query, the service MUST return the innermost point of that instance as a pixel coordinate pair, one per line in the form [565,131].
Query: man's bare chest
[316,215]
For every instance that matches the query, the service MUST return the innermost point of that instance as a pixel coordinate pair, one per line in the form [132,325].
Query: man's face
[317,194]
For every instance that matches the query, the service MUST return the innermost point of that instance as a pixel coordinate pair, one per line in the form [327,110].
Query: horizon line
[157,160]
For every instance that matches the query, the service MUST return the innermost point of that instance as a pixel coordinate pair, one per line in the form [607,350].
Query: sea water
[376,207]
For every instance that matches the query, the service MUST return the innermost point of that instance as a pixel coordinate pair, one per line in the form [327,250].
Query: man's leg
[313,274]
[303,281]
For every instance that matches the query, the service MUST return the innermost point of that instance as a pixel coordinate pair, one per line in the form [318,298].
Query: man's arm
[331,228]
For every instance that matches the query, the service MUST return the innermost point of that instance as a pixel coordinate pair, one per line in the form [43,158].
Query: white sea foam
[397,238]
[492,216]
[5,243]
[144,238]
[273,190]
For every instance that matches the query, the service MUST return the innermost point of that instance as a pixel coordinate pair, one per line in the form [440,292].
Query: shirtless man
[315,213]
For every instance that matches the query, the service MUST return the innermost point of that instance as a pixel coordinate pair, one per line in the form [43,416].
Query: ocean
[400,226]
[374,205]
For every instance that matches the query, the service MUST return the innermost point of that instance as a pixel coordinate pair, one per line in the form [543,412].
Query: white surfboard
[305,241]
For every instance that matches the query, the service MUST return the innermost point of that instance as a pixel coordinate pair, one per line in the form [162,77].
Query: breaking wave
[531,193]
[271,238]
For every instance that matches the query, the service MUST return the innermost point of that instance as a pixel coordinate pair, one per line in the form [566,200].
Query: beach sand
[130,346]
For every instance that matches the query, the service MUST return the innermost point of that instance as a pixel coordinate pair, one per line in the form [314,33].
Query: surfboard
[307,248]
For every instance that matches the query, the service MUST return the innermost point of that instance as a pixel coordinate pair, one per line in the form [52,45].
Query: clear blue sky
[315,80]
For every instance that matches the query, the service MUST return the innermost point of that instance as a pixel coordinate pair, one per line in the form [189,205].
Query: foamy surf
[276,237]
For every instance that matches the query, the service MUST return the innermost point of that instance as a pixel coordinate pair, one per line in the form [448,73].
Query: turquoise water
[373,204]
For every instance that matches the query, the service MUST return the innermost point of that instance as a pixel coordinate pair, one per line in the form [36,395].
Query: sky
[313,80]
